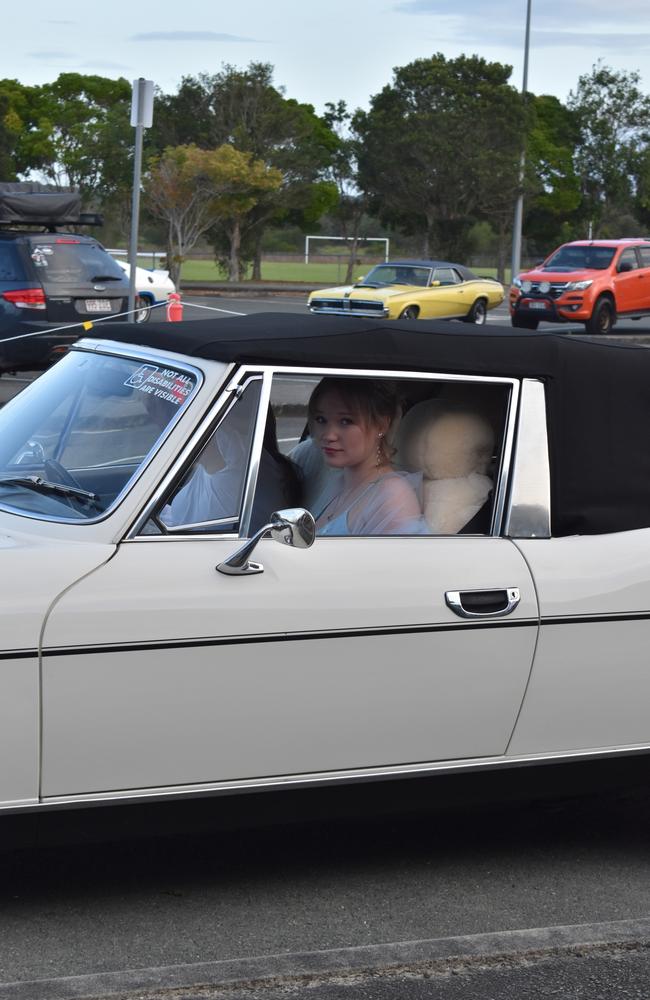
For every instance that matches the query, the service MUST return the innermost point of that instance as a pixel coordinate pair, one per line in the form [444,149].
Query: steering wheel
[57,472]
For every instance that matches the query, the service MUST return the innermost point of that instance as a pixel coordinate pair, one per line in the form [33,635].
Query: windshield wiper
[45,486]
[106,277]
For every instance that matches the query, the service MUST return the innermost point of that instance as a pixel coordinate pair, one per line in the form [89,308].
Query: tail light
[26,298]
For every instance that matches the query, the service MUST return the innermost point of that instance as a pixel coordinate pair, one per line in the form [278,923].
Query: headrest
[444,440]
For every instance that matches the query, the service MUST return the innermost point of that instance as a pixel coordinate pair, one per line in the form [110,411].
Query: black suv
[50,278]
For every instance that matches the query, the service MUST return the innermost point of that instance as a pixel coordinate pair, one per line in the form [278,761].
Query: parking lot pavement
[405,879]
[222,307]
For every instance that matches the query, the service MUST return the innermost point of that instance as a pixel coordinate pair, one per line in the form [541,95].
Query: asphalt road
[331,889]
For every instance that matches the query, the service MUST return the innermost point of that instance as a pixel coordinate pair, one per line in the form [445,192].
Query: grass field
[206,270]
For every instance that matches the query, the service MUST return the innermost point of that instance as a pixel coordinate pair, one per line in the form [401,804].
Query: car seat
[452,447]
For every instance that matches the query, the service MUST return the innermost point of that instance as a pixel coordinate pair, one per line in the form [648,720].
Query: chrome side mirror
[294,526]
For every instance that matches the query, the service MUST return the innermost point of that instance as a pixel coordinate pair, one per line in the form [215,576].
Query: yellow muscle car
[413,289]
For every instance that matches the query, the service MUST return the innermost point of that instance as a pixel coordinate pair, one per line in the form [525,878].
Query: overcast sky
[322,51]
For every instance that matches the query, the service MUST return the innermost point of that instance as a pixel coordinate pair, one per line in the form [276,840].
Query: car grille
[366,307]
[557,289]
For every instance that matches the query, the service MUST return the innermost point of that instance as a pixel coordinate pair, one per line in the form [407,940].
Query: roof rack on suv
[49,209]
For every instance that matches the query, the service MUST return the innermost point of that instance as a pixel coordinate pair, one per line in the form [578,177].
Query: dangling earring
[379,455]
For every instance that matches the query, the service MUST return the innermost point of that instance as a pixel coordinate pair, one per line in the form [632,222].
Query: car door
[160,672]
[448,298]
[644,278]
[631,283]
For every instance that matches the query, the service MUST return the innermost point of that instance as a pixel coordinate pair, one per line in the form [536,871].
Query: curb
[473,949]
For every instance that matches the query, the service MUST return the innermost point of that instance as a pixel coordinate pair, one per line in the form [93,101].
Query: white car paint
[132,669]
[154,285]
[232,707]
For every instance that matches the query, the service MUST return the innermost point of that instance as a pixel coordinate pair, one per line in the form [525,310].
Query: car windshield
[72,442]
[70,262]
[587,258]
[398,274]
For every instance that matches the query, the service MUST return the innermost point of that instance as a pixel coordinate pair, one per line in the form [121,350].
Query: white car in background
[152,287]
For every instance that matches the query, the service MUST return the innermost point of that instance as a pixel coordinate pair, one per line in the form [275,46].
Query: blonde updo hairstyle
[373,402]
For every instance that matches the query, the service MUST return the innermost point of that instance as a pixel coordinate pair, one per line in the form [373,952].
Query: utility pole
[141,118]
[519,207]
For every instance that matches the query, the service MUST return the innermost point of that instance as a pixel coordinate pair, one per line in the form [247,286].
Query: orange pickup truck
[589,281]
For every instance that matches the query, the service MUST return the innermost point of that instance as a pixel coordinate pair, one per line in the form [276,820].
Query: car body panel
[49,567]
[153,284]
[166,708]
[591,682]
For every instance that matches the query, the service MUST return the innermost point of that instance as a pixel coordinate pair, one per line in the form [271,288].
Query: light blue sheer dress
[384,507]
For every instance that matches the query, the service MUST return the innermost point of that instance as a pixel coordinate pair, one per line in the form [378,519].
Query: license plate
[98,305]
[537,305]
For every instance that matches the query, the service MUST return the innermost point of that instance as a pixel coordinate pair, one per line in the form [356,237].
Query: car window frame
[131,354]
[454,272]
[635,255]
[645,247]
[240,378]
[217,419]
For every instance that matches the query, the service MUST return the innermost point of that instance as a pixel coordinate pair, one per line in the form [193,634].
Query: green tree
[9,130]
[436,142]
[23,135]
[613,118]
[243,108]
[352,205]
[89,137]
[192,189]
[553,200]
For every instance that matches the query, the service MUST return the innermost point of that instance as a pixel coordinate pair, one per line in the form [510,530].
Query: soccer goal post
[361,239]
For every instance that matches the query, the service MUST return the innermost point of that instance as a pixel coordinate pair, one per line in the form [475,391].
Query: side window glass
[446,276]
[209,496]
[644,254]
[628,257]
[383,457]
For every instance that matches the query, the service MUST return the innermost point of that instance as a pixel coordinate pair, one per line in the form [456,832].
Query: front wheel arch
[143,303]
[410,312]
[603,316]
[478,313]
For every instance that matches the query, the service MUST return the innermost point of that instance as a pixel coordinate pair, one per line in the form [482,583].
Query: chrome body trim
[365,775]
[529,508]
[256,451]
[210,421]
[349,307]
[240,378]
[454,601]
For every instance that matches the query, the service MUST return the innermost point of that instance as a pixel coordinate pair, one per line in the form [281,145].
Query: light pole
[141,118]
[519,206]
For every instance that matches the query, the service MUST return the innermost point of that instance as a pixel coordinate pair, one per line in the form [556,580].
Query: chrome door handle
[483,603]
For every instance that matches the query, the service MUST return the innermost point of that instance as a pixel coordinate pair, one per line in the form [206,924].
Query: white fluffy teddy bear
[453,448]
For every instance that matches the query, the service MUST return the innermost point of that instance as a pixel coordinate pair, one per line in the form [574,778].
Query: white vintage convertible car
[155,650]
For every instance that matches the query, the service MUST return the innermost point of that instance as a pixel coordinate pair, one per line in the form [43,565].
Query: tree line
[436,155]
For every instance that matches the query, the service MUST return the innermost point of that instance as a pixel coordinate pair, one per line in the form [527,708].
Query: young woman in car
[349,421]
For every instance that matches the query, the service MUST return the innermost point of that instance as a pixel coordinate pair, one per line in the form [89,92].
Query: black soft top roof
[598,392]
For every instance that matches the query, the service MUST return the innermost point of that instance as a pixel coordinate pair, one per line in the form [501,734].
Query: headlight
[544,287]
[516,282]
[526,286]
[578,286]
